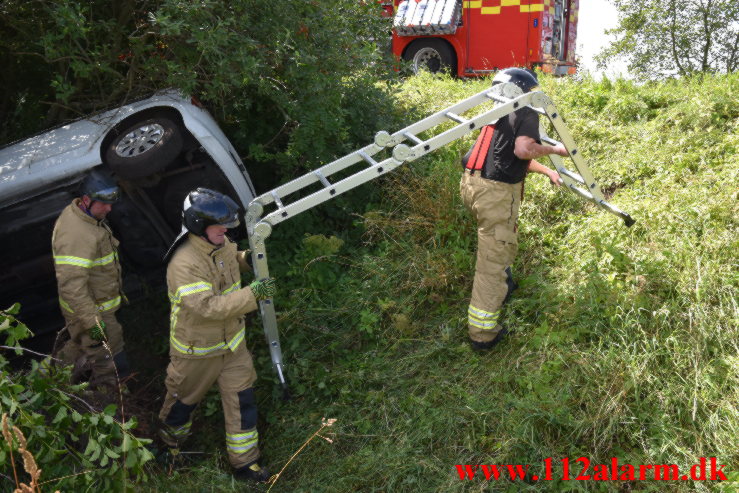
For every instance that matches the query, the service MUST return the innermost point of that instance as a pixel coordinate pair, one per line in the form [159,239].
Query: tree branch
[29,351]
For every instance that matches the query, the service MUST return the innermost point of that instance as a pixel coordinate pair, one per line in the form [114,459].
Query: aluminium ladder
[406,147]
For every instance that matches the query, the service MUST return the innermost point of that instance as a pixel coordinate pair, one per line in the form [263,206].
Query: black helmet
[205,207]
[101,186]
[523,78]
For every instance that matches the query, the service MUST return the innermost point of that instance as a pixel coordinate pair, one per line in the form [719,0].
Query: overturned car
[159,149]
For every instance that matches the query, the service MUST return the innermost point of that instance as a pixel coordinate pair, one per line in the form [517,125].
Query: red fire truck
[482,36]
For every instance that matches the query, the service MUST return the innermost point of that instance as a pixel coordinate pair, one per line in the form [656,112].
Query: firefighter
[88,275]
[207,332]
[492,188]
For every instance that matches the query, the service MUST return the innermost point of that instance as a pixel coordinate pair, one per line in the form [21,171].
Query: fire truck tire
[433,54]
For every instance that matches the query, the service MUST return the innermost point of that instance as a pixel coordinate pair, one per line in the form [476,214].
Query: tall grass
[624,342]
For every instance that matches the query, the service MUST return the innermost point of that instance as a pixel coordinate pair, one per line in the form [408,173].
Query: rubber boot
[252,472]
[485,346]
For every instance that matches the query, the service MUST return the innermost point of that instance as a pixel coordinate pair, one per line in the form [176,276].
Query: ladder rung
[583,193]
[367,158]
[455,117]
[496,98]
[277,200]
[412,137]
[572,175]
[323,179]
[549,140]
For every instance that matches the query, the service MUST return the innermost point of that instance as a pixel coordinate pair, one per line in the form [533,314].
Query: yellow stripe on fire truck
[497,9]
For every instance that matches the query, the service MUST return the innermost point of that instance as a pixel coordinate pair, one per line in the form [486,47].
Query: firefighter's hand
[555,178]
[264,288]
[561,150]
[97,331]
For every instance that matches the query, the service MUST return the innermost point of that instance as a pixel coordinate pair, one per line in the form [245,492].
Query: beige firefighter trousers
[81,349]
[495,207]
[187,382]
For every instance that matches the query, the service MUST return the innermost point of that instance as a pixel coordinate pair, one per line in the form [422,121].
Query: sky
[594,17]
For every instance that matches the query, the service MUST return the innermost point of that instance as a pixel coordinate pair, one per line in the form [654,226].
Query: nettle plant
[73,445]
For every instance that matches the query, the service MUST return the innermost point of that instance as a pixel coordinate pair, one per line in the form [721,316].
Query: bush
[293,82]
[75,447]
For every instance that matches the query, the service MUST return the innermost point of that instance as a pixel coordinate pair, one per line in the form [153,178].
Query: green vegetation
[286,79]
[64,437]
[680,37]
[624,341]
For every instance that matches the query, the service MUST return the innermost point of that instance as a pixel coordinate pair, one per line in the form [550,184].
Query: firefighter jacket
[88,271]
[208,302]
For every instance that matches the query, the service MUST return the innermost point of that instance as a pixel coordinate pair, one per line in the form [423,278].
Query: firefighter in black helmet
[207,330]
[492,188]
[88,275]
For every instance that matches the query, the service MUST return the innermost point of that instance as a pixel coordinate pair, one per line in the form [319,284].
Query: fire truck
[477,37]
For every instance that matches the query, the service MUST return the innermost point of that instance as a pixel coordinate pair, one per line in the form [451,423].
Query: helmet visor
[231,222]
[107,195]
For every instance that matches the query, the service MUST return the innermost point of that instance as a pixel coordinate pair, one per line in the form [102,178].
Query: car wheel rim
[427,58]
[140,140]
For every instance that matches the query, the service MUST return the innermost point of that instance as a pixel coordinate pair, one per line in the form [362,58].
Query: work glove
[264,288]
[97,331]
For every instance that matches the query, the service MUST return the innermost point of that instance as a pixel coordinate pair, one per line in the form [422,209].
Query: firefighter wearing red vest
[88,275]
[207,330]
[491,188]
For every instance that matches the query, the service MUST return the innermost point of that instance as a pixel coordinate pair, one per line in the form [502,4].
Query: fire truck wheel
[431,54]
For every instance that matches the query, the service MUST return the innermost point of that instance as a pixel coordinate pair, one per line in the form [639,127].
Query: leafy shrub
[293,82]
[75,446]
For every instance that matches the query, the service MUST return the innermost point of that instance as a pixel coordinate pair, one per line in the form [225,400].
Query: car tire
[144,147]
[435,55]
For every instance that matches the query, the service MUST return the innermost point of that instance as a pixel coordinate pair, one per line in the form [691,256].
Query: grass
[624,342]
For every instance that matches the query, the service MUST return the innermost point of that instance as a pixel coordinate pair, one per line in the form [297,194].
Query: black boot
[484,346]
[252,472]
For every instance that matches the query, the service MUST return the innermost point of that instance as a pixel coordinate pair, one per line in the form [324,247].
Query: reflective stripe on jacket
[207,301]
[88,271]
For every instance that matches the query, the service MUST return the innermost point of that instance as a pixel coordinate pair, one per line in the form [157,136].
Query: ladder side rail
[557,161]
[257,237]
[543,101]
[441,116]
[325,194]
[575,183]
[405,153]
[310,177]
